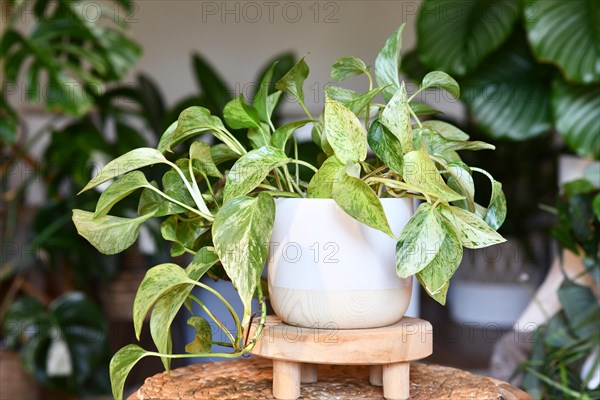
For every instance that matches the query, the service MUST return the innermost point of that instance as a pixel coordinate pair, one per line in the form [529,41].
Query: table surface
[250,378]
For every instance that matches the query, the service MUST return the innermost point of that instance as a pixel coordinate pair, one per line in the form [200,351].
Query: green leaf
[241,232]
[261,100]
[359,201]
[221,153]
[344,132]
[183,234]
[135,159]
[341,94]
[496,211]
[168,305]
[120,366]
[202,339]
[435,277]
[575,110]
[508,96]
[461,181]
[293,81]
[448,131]
[387,64]
[347,66]
[423,109]
[419,241]
[201,156]
[192,122]
[239,115]
[321,184]
[284,132]
[596,205]
[158,281]
[420,171]
[580,307]
[118,190]
[441,80]
[396,117]
[385,146]
[570,43]
[358,104]
[251,169]
[456,36]
[108,234]
[212,86]
[471,231]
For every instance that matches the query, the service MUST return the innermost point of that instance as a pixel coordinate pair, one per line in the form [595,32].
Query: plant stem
[415,116]
[284,194]
[226,303]
[296,157]
[197,198]
[214,318]
[172,200]
[307,165]
[210,189]
[397,184]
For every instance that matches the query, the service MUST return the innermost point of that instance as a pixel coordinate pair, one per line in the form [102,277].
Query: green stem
[226,303]
[196,196]
[235,145]
[214,318]
[397,184]
[307,165]
[210,189]
[277,193]
[414,116]
[296,157]
[172,200]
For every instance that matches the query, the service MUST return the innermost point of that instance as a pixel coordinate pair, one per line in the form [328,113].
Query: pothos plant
[217,201]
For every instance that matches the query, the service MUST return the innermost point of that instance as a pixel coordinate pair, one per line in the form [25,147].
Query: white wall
[238,37]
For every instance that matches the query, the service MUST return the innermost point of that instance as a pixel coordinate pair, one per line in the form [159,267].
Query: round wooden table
[251,378]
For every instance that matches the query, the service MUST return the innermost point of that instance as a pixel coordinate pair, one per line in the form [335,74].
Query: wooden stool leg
[396,381]
[309,373]
[286,379]
[375,377]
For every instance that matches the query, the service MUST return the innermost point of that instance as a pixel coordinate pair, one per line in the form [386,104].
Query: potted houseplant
[221,203]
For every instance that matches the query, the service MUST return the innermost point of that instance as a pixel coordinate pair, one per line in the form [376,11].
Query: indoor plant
[224,213]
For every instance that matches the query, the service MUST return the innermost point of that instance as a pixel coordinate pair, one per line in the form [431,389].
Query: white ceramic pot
[327,270]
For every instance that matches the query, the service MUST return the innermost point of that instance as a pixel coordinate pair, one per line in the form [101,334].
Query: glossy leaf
[239,115]
[496,211]
[158,281]
[423,109]
[385,146]
[344,132]
[359,201]
[183,234]
[471,231]
[135,159]
[201,156]
[419,241]
[456,36]
[580,307]
[293,81]
[445,129]
[387,64]
[396,117]
[435,277]
[241,232]
[509,93]
[261,102]
[251,169]
[570,43]
[575,110]
[284,132]
[121,364]
[118,190]
[168,305]
[221,153]
[441,80]
[345,67]
[108,234]
[321,184]
[203,337]
[192,122]
[420,171]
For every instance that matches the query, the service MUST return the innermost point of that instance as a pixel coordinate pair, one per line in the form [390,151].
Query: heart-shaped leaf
[293,81]
[241,232]
[120,189]
[108,234]
[321,184]
[385,146]
[359,201]
[251,169]
[347,66]
[441,80]
[203,337]
[135,159]
[471,231]
[396,117]
[120,366]
[240,115]
[344,132]
[202,159]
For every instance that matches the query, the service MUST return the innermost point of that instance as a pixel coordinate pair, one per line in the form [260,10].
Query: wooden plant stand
[295,351]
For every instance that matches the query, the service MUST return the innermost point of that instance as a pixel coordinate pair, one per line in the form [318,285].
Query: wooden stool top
[410,339]
[251,379]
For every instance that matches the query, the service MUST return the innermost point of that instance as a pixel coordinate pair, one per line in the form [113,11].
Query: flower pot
[327,270]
